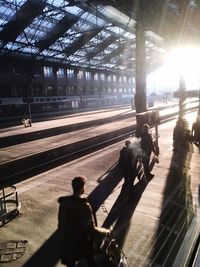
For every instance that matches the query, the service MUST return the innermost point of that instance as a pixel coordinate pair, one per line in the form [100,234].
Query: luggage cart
[113,256]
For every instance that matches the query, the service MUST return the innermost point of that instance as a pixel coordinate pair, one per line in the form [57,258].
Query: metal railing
[9,204]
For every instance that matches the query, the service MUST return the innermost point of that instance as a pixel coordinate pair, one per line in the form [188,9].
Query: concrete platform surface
[23,150]
[150,226]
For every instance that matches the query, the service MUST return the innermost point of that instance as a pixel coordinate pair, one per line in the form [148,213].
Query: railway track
[26,167]
[45,133]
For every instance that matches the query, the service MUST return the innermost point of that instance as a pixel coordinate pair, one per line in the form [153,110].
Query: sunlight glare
[183,62]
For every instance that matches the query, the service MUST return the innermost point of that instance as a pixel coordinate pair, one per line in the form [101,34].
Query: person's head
[145,128]
[78,185]
[127,143]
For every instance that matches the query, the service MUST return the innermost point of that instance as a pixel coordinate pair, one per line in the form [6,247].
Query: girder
[81,41]
[99,34]
[108,41]
[57,31]
[22,18]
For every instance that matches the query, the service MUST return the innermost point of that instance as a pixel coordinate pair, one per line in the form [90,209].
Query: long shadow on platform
[177,209]
[123,209]
[48,255]
[107,183]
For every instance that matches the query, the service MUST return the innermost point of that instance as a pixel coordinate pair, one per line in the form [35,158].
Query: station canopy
[85,34]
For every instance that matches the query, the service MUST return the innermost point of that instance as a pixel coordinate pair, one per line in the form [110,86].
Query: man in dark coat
[77,226]
[127,163]
[147,148]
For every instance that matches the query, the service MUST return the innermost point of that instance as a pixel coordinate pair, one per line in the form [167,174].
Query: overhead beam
[57,31]
[117,51]
[23,17]
[81,41]
[102,46]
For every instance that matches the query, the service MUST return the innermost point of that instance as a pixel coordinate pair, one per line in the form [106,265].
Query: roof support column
[140,97]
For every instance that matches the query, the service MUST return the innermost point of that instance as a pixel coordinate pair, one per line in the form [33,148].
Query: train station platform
[158,225]
[47,138]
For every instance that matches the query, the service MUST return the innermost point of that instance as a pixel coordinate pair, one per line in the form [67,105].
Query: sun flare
[184,62]
[180,62]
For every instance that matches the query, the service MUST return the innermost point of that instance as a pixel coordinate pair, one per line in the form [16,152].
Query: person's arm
[88,216]
[93,214]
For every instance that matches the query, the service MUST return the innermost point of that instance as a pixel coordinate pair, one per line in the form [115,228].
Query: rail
[9,203]
[35,164]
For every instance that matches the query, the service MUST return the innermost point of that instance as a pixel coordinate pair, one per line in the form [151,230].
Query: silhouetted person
[147,147]
[127,163]
[77,226]
[196,132]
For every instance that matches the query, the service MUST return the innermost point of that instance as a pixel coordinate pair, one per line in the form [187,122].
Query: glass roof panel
[29,50]
[21,39]
[1,23]
[93,19]
[65,41]
[13,46]
[6,13]
[82,53]
[103,34]
[41,36]
[20,2]
[57,2]
[73,9]
[48,53]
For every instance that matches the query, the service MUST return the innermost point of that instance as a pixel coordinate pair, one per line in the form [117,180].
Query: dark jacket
[147,143]
[127,162]
[76,226]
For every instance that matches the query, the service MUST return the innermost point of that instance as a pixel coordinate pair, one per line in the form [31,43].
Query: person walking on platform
[127,164]
[147,147]
[77,226]
[196,132]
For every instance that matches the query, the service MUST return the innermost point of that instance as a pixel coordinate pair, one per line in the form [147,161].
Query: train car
[55,103]
[12,106]
[21,106]
[90,101]
[24,105]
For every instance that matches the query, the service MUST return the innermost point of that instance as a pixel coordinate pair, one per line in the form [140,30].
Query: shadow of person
[47,255]
[106,187]
[177,210]
[123,210]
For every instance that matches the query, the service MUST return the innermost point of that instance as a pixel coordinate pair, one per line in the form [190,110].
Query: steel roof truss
[23,17]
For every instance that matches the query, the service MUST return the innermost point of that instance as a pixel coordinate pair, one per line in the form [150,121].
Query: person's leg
[146,160]
[145,164]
